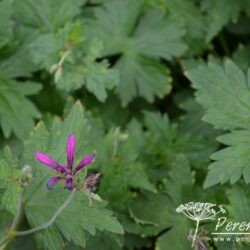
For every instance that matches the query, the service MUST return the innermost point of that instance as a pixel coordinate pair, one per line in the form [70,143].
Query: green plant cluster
[158,89]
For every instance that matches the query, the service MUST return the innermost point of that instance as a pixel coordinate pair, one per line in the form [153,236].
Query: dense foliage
[159,90]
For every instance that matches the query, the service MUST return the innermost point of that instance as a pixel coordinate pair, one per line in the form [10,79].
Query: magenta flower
[65,172]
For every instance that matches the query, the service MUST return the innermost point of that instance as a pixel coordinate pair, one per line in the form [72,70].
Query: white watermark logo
[231,228]
[199,212]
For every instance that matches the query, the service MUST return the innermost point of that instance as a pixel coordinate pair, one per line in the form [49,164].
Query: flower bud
[26,175]
[120,136]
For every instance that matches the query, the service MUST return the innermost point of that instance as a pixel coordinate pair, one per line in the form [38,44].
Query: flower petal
[48,161]
[69,184]
[85,162]
[71,150]
[53,181]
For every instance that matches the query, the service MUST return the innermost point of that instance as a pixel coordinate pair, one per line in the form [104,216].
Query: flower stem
[8,237]
[196,231]
[18,211]
[51,221]
[3,242]
[11,234]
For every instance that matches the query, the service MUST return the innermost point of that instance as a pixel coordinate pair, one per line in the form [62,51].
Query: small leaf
[12,118]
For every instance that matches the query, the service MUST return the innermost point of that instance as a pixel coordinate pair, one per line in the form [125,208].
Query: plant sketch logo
[198,212]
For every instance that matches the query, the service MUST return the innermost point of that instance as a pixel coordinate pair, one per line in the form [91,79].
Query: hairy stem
[7,238]
[51,221]
[3,242]
[18,211]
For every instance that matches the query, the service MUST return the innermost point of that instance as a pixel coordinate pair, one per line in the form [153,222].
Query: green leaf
[141,76]
[141,47]
[44,204]
[224,93]
[51,49]
[73,64]
[157,212]
[45,50]
[23,243]
[140,179]
[7,171]
[116,19]
[47,15]
[179,189]
[6,10]
[158,37]
[199,142]
[18,63]
[239,208]
[50,239]
[60,48]
[12,118]
[189,14]
[219,13]
[121,169]
[116,152]
[165,140]
[5,221]
[97,78]
[192,20]
[159,146]
[28,88]
[242,57]
[10,197]
[75,34]
[176,237]
[232,162]
[154,121]
[105,241]
[152,211]
[9,181]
